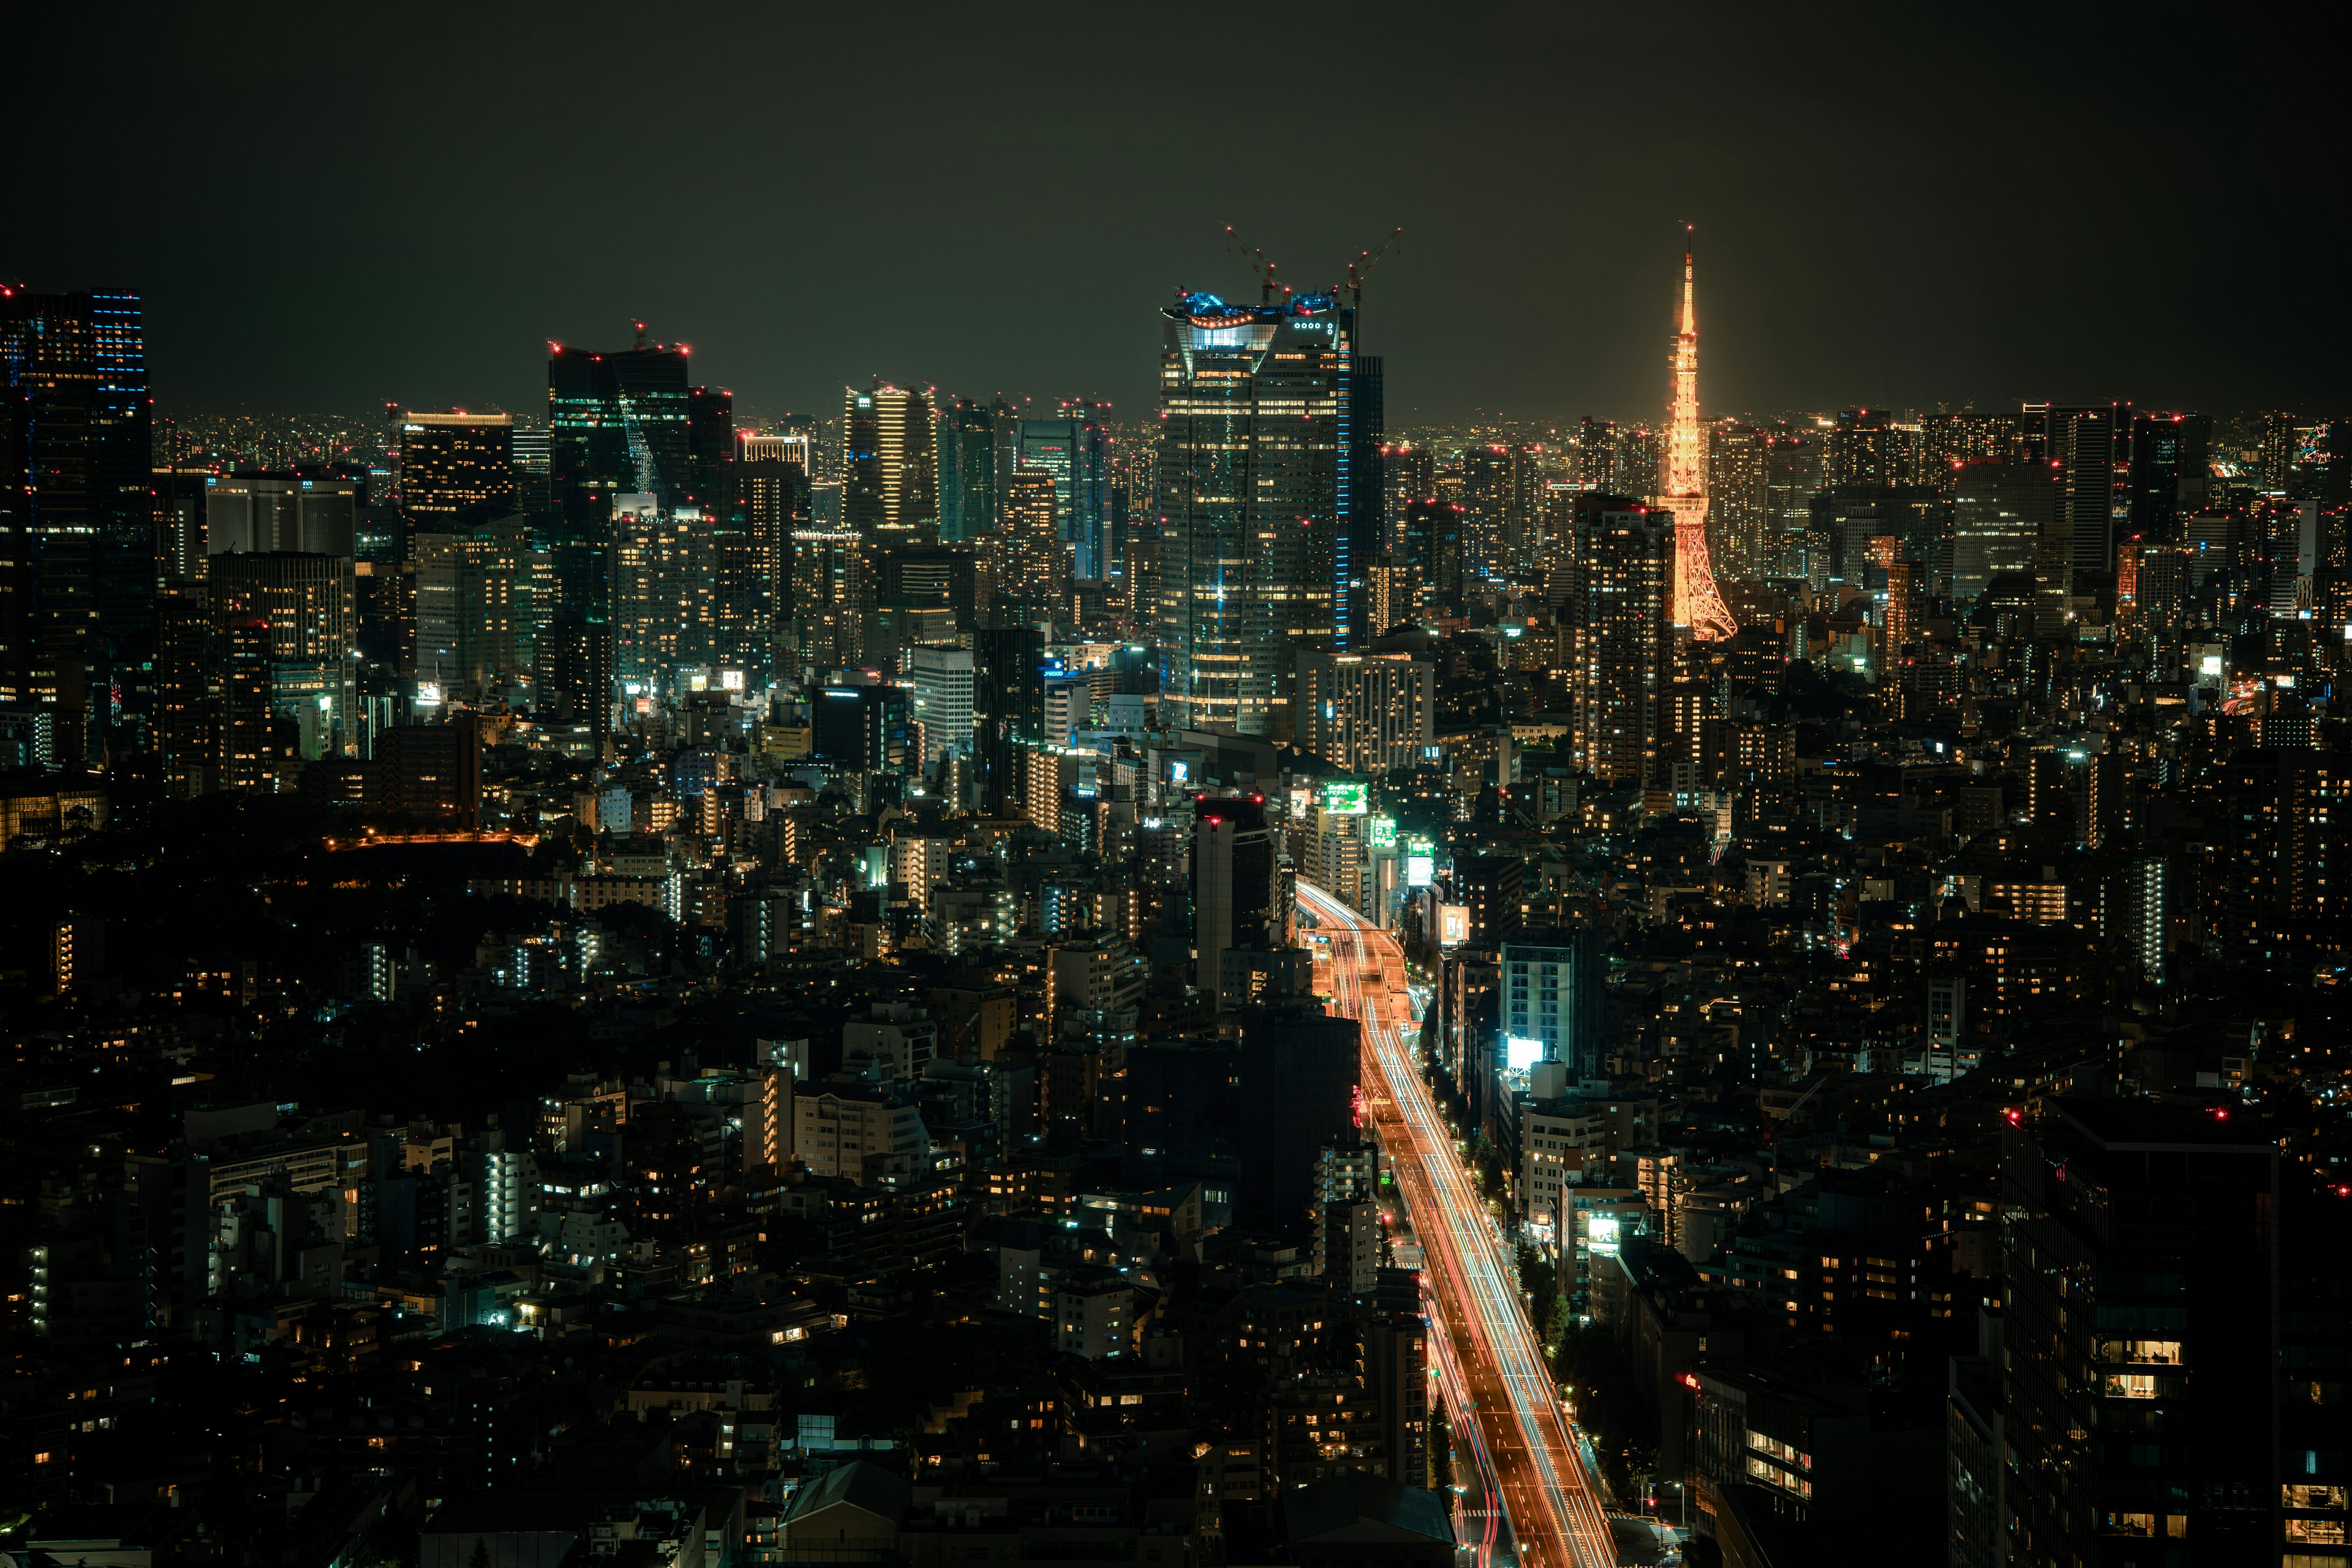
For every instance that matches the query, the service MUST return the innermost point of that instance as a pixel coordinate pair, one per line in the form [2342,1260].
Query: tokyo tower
[1684,485]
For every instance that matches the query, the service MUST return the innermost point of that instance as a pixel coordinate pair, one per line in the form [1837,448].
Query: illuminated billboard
[1383,832]
[1344,798]
[1453,924]
[1601,1234]
[1518,1054]
[1420,870]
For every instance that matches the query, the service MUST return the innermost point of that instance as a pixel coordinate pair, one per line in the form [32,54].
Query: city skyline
[1844,206]
[1005,789]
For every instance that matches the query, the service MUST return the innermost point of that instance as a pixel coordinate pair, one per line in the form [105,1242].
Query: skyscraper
[890,460]
[968,477]
[1625,631]
[1682,487]
[1237,884]
[1073,448]
[617,424]
[773,496]
[1737,481]
[76,458]
[1363,500]
[2171,458]
[2000,512]
[456,462]
[1367,712]
[1028,560]
[2085,443]
[1248,477]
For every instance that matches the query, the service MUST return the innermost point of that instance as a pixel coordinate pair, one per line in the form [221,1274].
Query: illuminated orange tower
[1682,489]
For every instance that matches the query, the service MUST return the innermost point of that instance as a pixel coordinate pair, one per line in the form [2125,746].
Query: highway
[1488,1361]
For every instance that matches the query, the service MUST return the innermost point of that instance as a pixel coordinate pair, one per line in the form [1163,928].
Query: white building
[940,679]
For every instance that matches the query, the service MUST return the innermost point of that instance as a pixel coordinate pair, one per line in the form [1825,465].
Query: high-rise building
[617,425]
[1596,454]
[2171,471]
[832,591]
[246,705]
[456,462]
[2000,512]
[1239,899]
[1740,529]
[889,461]
[187,716]
[1625,632]
[1250,401]
[866,728]
[534,473]
[1437,542]
[77,586]
[305,602]
[2087,446]
[1008,708]
[1865,447]
[1367,712]
[1364,503]
[279,511]
[2140,1264]
[772,495]
[1682,487]
[941,681]
[1073,449]
[968,474]
[1552,997]
[662,586]
[431,773]
[1028,558]
[572,676]
[1792,476]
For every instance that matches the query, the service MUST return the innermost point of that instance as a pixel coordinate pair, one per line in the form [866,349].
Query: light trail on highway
[1504,1388]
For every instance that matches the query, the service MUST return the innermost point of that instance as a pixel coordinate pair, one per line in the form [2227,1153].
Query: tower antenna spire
[1699,605]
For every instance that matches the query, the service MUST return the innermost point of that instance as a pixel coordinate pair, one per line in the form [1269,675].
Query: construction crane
[1260,268]
[1368,260]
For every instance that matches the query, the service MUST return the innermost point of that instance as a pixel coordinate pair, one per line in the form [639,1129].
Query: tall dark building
[2087,446]
[247,699]
[617,424]
[772,497]
[1300,1069]
[2141,1253]
[430,772]
[572,671]
[1008,709]
[2171,458]
[865,727]
[1491,887]
[709,447]
[79,465]
[1237,885]
[1434,545]
[1250,401]
[968,471]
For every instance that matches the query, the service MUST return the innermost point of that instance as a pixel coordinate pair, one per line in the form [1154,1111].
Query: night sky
[328,206]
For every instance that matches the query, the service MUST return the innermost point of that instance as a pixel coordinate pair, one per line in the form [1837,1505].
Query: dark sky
[330,206]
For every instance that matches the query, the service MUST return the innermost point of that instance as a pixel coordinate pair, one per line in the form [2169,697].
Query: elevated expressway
[1506,1410]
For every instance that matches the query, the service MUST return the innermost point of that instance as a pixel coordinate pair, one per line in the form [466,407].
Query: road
[1489,1360]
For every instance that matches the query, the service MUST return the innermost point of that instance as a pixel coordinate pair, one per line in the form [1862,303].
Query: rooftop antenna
[641,332]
